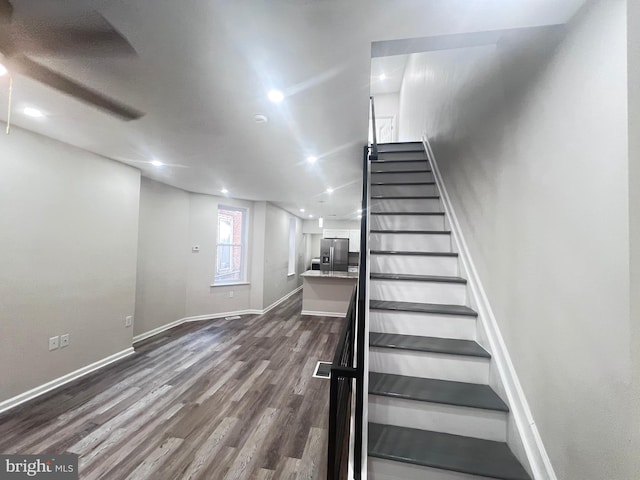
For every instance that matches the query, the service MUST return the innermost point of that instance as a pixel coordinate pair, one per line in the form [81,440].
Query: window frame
[217,281]
[292,269]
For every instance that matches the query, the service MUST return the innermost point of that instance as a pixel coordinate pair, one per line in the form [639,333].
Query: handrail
[352,342]
[374,144]
[342,375]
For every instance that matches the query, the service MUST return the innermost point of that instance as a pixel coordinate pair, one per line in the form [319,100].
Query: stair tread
[413,253]
[450,346]
[461,394]
[400,171]
[409,213]
[445,451]
[429,232]
[417,278]
[434,308]
[412,160]
[410,197]
[403,183]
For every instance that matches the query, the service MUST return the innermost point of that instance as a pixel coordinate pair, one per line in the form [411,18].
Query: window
[292,246]
[231,251]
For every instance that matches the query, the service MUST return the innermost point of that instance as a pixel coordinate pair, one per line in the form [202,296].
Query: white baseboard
[278,302]
[58,382]
[324,314]
[536,454]
[213,316]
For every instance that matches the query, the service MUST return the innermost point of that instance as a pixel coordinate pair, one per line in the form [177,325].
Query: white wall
[163,247]
[311,226]
[69,223]
[388,105]
[531,139]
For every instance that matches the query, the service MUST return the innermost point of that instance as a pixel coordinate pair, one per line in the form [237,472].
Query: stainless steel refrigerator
[334,254]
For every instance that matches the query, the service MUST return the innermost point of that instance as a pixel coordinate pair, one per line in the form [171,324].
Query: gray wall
[531,139]
[174,282]
[69,223]
[163,247]
[277,282]
[633,32]
[202,297]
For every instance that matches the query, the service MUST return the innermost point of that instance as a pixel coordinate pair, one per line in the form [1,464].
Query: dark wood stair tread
[403,183]
[435,214]
[460,394]
[433,308]
[413,232]
[412,160]
[409,197]
[445,451]
[450,346]
[399,171]
[412,253]
[417,278]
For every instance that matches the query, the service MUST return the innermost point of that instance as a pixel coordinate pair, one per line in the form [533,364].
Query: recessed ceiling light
[276,96]
[310,216]
[156,163]
[302,210]
[224,190]
[382,76]
[260,118]
[3,70]
[329,190]
[359,216]
[359,210]
[33,112]
[312,159]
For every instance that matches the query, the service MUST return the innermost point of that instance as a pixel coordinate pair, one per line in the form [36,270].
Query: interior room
[201,202]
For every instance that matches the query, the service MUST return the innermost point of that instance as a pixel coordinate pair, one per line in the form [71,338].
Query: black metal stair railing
[348,361]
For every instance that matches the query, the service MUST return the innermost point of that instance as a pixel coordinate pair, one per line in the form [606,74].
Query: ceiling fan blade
[64,84]
[74,42]
[40,39]
[6,11]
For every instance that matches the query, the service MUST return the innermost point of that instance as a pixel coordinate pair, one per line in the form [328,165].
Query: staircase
[431,413]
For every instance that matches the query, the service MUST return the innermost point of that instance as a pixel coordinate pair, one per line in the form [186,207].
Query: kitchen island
[327,293]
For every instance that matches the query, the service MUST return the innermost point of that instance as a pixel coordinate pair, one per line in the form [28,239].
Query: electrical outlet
[231,294]
[54,343]
[64,340]
[128,321]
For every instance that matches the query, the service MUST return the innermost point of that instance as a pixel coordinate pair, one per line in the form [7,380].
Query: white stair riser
[407,222]
[457,368]
[423,324]
[415,265]
[396,165]
[383,469]
[402,177]
[406,205]
[404,190]
[398,242]
[420,292]
[468,422]
[400,155]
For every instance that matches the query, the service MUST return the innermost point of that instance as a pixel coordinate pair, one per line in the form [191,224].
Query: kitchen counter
[327,294]
[320,274]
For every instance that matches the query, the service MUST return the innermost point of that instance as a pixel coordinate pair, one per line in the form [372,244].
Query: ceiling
[204,68]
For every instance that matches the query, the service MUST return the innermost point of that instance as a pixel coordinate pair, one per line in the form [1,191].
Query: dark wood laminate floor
[221,399]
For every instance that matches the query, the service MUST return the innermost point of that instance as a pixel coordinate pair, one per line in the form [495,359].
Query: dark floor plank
[217,399]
